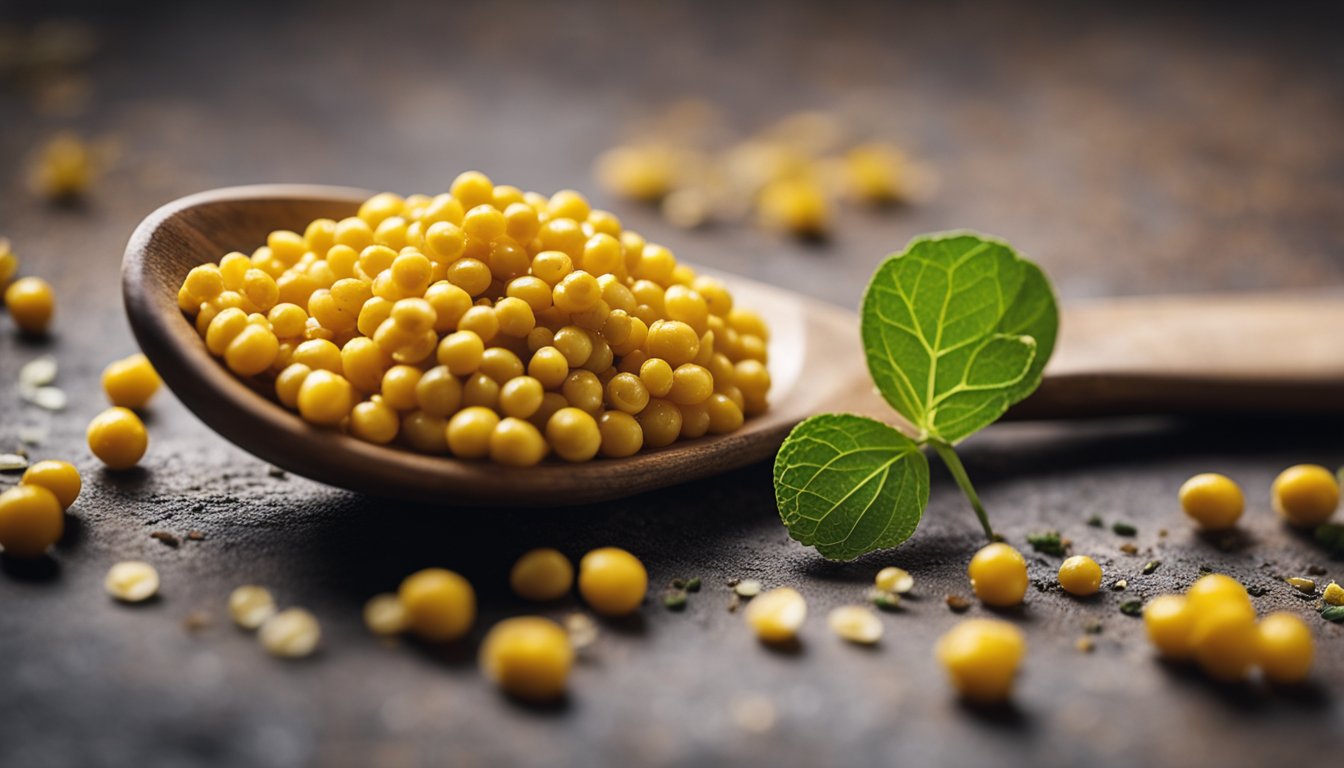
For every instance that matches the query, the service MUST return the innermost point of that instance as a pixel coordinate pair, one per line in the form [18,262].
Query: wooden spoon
[1124,356]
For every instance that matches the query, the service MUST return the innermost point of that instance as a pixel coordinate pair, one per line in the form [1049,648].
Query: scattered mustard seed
[250,606]
[1305,586]
[1120,585]
[292,633]
[1085,645]
[385,615]
[893,579]
[747,588]
[582,630]
[855,624]
[1334,594]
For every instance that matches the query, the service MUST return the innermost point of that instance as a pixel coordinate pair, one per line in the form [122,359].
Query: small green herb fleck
[1333,613]
[887,601]
[1132,607]
[677,584]
[1331,536]
[1123,529]
[674,599]
[1120,585]
[1151,566]
[1096,522]
[1047,542]
[693,584]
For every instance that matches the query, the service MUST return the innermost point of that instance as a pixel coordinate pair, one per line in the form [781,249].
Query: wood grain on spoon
[1124,356]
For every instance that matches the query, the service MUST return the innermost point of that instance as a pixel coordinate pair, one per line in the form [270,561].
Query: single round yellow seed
[1212,500]
[440,604]
[59,477]
[1285,648]
[777,615]
[998,575]
[1080,576]
[130,382]
[292,633]
[612,581]
[660,422]
[855,623]
[252,351]
[528,657]
[132,581]
[30,303]
[520,397]
[250,606]
[893,579]
[1217,590]
[673,341]
[325,398]
[516,443]
[118,438]
[31,520]
[1306,495]
[981,657]
[621,434]
[1170,620]
[386,616]
[573,434]
[1225,642]
[374,421]
[541,575]
[469,432]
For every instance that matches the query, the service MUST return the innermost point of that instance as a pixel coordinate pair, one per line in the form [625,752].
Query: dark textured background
[1130,148]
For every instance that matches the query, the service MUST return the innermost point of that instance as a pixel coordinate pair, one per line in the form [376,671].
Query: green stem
[953,462]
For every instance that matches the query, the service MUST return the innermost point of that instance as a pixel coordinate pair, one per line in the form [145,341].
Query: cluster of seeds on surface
[485,322]
[292,633]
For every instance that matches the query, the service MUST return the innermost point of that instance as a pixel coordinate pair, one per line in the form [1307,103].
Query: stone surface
[1128,148]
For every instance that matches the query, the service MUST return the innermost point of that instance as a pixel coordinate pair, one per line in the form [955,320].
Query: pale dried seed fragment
[582,630]
[748,588]
[385,615]
[12,462]
[893,579]
[1333,594]
[48,398]
[855,624]
[1306,586]
[777,615]
[38,372]
[250,606]
[132,581]
[292,633]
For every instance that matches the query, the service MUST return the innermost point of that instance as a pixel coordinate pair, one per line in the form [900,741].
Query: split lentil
[132,581]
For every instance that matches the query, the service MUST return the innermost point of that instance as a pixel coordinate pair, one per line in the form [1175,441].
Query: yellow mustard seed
[1285,649]
[1216,591]
[621,434]
[855,623]
[528,657]
[573,434]
[777,615]
[1080,576]
[325,398]
[981,657]
[1306,495]
[1225,642]
[118,438]
[1333,594]
[374,421]
[292,633]
[31,520]
[386,616]
[440,604]
[132,581]
[30,303]
[250,606]
[542,575]
[59,477]
[1170,622]
[1212,500]
[998,575]
[893,579]
[612,581]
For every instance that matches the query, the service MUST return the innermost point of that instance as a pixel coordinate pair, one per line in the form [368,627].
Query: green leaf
[849,485]
[1333,613]
[957,328]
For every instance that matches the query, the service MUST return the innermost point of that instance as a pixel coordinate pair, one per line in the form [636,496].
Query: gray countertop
[1129,148]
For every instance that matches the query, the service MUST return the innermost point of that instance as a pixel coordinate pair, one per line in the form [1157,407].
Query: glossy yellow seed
[516,443]
[250,606]
[612,581]
[583,390]
[1170,622]
[520,397]
[132,581]
[1080,576]
[981,657]
[481,321]
[998,575]
[424,432]
[363,363]
[724,414]
[576,292]
[573,434]
[1333,594]
[292,634]
[319,354]
[1216,591]
[398,387]
[440,604]
[374,421]
[657,376]
[30,303]
[59,477]
[673,341]
[325,398]
[549,366]
[1285,648]
[472,188]
[31,520]
[386,616]
[621,434]
[542,575]
[661,423]
[777,615]
[469,431]
[438,393]
[252,351]
[1306,495]
[691,385]
[289,381]
[1212,500]
[575,344]
[528,657]
[855,623]
[118,438]
[480,389]
[627,393]
[1225,642]
[287,320]
[501,365]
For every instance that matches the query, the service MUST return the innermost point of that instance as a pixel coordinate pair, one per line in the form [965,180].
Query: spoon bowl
[1140,355]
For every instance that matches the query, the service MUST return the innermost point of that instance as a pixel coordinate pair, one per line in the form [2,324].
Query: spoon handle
[1216,353]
